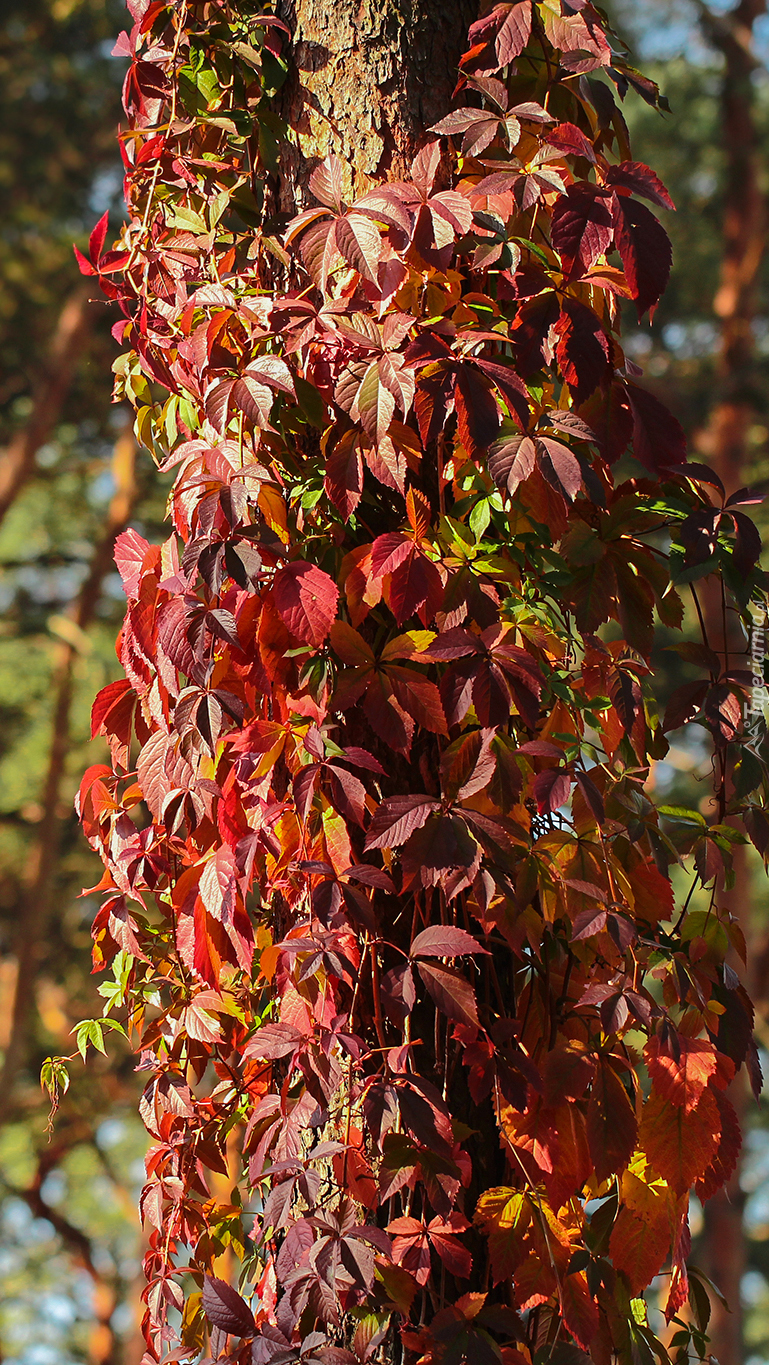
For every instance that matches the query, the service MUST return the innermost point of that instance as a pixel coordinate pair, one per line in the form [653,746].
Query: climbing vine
[438,1010]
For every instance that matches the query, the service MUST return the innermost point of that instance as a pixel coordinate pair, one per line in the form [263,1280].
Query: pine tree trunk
[37,899]
[745,225]
[369,78]
[725,441]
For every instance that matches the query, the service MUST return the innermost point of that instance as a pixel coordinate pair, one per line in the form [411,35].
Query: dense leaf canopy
[386,895]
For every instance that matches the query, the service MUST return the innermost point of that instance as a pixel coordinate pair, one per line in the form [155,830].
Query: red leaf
[512,388]
[440,940]
[326,183]
[415,586]
[609,415]
[358,239]
[659,440]
[273,1041]
[580,1312]
[570,139]
[451,992]
[477,412]
[109,697]
[722,712]
[581,229]
[611,1123]
[591,795]
[217,403]
[511,461]
[724,1161]
[641,1236]
[588,922]
[680,1145]
[224,1307]
[373,405]
[455,1257]
[218,884]
[634,175]
[551,789]
[559,466]
[684,703]
[305,598]
[582,350]
[453,644]
[161,769]
[84,265]
[350,646]
[419,698]
[96,240]
[273,371]
[681,1068]
[514,32]
[389,551]
[130,549]
[397,818]
[253,398]
[645,248]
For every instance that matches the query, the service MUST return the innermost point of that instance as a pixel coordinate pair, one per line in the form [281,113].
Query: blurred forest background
[71,477]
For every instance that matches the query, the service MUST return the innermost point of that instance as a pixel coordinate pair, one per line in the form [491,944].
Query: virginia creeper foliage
[433,1056]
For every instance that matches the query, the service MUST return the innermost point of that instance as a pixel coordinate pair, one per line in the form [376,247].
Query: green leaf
[92,1031]
[54,1077]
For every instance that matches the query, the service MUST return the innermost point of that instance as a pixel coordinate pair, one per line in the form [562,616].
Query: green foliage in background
[59,170]
[679,353]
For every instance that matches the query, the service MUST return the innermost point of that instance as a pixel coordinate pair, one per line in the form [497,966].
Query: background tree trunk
[368,77]
[725,442]
[744,240]
[36,905]
[17,461]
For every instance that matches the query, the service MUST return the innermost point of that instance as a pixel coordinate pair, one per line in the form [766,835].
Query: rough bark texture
[369,77]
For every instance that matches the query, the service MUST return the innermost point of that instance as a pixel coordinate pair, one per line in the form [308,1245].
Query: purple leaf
[225,1309]
[451,992]
[589,922]
[440,940]
[551,789]
[634,175]
[397,818]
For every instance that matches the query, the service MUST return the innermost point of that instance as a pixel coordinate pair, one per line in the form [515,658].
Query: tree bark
[368,78]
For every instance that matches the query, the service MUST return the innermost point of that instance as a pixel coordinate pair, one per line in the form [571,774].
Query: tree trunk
[368,78]
[725,442]
[744,238]
[43,861]
[17,461]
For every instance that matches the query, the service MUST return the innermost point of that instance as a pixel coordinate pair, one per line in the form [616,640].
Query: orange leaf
[611,1123]
[680,1145]
[504,1215]
[652,893]
[681,1079]
[643,1233]
[579,1309]
[725,1159]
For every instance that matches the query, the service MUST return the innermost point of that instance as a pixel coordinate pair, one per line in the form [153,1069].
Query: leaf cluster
[377,840]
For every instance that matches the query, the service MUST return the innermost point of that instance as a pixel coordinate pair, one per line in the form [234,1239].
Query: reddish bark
[725,443]
[369,78]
